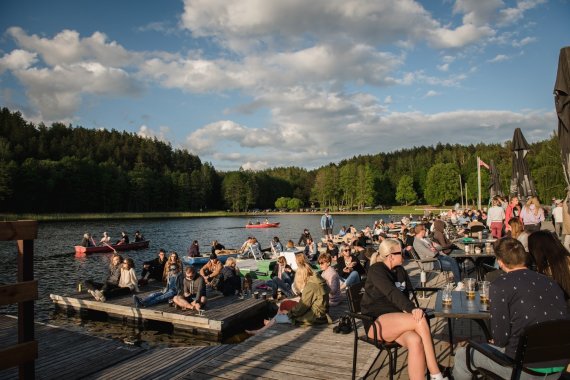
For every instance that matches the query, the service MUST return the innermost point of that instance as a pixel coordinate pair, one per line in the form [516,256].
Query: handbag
[344,325]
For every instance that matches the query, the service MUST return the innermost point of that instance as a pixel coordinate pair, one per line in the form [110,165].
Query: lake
[59,271]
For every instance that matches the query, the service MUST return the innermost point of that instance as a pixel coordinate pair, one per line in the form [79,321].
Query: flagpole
[461,189]
[478,183]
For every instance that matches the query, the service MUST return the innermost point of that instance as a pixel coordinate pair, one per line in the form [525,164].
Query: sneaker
[99,295]
[102,298]
[138,302]
[459,287]
[93,294]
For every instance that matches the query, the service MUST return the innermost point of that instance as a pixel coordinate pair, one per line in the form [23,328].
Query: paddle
[114,250]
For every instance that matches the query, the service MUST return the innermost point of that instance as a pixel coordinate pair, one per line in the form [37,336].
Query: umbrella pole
[478,183]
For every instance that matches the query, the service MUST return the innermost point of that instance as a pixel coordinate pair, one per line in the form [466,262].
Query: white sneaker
[92,293]
[459,287]
[99,295]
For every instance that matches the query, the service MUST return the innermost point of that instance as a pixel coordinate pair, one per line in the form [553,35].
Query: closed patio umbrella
[562,103]
[521,182]
[494,181]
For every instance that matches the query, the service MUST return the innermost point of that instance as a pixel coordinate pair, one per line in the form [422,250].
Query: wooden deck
[222,314]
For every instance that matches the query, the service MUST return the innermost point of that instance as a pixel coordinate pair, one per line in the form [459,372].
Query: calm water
[59,271]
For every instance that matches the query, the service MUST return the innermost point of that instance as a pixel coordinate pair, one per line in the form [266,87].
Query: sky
[260,83]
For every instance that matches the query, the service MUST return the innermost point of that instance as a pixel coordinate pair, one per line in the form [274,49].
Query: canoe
[201,260]
[262,225]
[79,250]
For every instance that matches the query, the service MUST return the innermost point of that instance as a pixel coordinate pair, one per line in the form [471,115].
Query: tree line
[62,168]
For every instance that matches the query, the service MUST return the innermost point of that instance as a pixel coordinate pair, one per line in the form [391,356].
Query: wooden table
[463,308]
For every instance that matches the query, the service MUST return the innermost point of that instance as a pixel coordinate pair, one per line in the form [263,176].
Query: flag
[481,163]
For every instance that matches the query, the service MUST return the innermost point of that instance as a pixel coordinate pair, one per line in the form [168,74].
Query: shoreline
[397,210]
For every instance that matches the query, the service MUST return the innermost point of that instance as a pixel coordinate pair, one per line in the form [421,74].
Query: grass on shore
[395,210]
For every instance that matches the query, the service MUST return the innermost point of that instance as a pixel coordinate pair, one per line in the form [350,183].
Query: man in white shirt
[557,217]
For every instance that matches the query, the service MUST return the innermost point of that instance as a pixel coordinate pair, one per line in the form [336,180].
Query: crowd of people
[532,269]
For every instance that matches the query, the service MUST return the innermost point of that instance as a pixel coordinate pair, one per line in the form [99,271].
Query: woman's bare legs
[416,355]
[392,327]
[267,323]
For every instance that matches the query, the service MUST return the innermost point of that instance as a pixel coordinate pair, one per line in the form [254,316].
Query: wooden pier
[222,314]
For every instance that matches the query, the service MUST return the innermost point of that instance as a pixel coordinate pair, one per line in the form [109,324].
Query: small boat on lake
[263,225]
[80,250]
[201,260]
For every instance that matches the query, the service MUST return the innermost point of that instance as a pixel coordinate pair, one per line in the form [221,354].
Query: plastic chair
[545,344]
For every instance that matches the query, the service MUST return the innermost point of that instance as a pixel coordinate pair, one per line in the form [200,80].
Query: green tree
[294,204]
[441,184]
[282,202]
[405,192]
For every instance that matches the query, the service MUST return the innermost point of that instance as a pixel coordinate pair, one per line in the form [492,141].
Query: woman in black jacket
[397,318]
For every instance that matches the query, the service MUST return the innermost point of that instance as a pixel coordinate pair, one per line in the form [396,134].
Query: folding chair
[545,344]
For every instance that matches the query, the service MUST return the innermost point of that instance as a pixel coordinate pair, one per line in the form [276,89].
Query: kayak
[80,250]
[262,225]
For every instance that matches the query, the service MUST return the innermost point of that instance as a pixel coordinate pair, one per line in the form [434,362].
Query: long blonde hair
[533,201]
[516,227]
[302,277]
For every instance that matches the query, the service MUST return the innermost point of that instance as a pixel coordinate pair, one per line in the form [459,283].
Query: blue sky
[260,83]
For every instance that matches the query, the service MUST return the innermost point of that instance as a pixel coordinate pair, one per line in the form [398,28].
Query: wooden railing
[24,293]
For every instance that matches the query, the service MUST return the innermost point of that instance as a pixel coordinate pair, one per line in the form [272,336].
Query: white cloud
[162,133]
[17,60]
[523,42]
[444,67]
[431,93]
[499,58]
[388,100]
[509,16]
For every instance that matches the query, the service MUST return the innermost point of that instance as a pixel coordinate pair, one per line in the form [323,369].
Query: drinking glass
[447,295]
[470,287]
[484,291]
[477,250]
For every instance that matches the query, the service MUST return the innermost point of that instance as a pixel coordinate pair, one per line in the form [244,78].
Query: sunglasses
[396,253]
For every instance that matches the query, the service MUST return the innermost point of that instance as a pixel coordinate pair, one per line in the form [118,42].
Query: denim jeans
[283,283]
[449,264]
[158,297]
[460,371]
[353,278]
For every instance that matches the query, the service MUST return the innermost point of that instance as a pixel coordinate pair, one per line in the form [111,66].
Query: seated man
[154,268]
[519,298]
[427,249]
[211,271]
[193,296]
[311,249]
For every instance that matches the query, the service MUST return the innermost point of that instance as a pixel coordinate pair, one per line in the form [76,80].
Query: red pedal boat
[262,225]
[79,250]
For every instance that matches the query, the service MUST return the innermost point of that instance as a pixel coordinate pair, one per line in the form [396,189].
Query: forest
[71,169]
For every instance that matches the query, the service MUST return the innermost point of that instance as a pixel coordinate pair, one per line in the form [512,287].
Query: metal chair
[428,265]
[545,344]
[354,294]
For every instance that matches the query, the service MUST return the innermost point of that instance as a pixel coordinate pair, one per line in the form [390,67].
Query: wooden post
[26,328]
[478,183]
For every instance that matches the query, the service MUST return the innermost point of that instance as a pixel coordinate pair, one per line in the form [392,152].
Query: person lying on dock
[193,296]
[153,269]
[96,289]
[217,247]
[230,281]
[127,283]
[211,271]
[311,309]
[174,286]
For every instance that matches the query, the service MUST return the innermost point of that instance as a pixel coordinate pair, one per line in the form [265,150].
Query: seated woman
[194,250]
[397,318]
[172,259]
[193,296]
[230,281]
[96,289]
[127,282]
[332,250]
[331,277]
[87,241]
[174,286]
[276,245]
[348,267]
[518,232]
[313,306]
[281,277]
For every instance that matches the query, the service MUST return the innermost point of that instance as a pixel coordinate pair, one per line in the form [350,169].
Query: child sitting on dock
[174,285]
[193,296]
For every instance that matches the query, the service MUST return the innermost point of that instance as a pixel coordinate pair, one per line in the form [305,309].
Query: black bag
[344,325]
